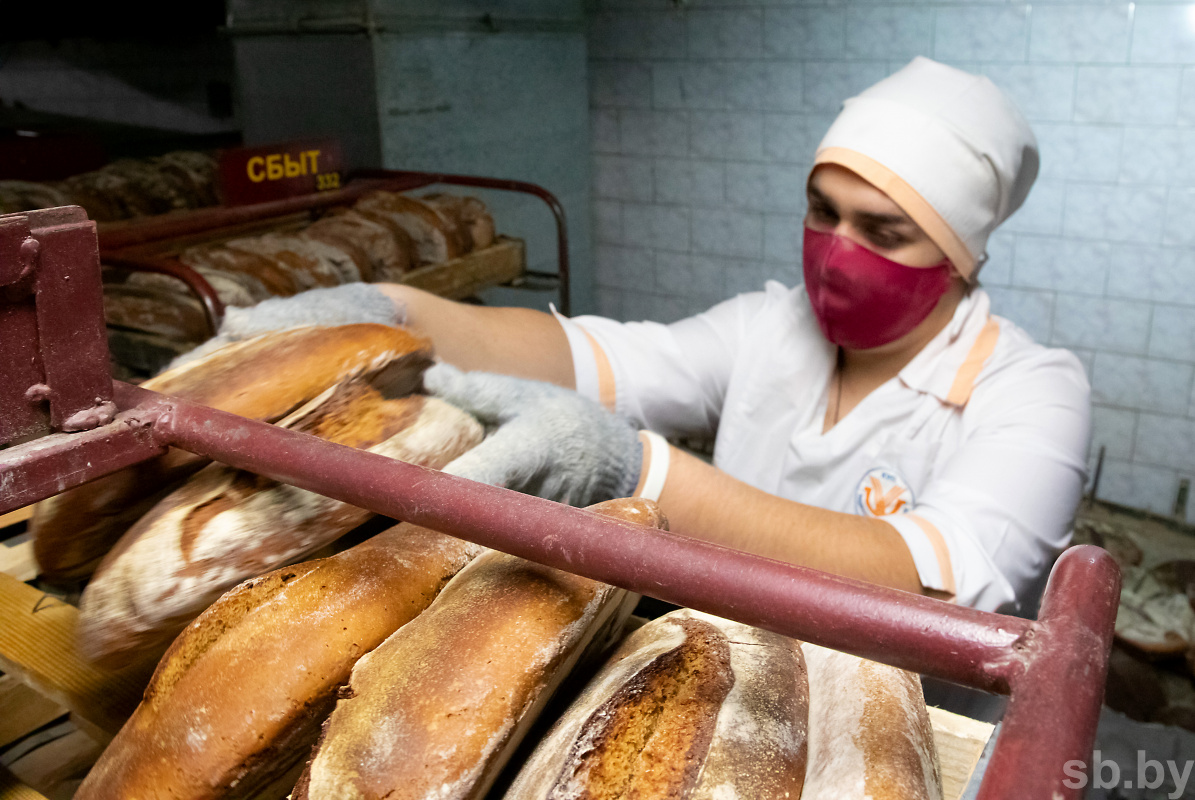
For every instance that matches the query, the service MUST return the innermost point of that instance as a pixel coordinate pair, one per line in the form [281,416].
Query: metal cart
[65,422]
[132,245]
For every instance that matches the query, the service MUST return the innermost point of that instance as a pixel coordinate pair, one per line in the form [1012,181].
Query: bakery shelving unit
[152,244]
[65,422]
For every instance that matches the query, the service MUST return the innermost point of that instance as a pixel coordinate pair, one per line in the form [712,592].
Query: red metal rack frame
[1054,668]
[119,245]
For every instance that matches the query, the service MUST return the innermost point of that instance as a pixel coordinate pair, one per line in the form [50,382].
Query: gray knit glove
[338,305]
[546,441]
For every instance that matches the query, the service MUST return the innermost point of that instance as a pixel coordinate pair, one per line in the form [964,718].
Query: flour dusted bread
[264,378]
[382,252]
[690,706]
[241,693]
[470,215]
[436,710]
[436,237]
[173,315]
[226,525]
[869,732]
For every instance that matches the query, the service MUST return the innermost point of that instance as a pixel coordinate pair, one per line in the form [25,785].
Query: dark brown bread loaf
[436,710]
[381,251]
[273,276]
[436,237]
[241,693]
[471,216]
[690,706]
[310,263]
[225,525]
[240,279]
[264,378]
[175,316]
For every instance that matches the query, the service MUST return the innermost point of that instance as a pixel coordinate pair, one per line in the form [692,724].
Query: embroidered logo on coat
[883,492]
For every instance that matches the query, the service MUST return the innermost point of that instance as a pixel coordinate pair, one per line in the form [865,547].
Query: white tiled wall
[705,116]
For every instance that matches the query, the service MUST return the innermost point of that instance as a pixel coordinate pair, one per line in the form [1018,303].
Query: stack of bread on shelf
[414,664]
[381,238]
[125,189]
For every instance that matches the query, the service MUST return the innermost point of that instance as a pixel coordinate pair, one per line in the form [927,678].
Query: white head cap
[947,146]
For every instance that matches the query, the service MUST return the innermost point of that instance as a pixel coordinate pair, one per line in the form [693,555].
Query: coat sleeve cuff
[928,547]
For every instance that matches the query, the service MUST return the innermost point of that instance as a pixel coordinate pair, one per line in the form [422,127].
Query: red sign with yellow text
[273,172]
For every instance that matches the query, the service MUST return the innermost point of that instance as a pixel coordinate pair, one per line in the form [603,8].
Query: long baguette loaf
[225,525]
[241,693]
[690,706]
[264,378]
[869,732]
[436,710]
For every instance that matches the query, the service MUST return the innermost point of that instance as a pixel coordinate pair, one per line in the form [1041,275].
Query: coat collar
[949,365]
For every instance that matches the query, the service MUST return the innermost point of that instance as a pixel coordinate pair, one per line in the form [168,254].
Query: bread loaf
[176,316]
[690,706]
[436,710]
[233,290]
[869,732]
[233,275]
[435,236]
[241,693]
[381,252]
[263,378]
[258,272]
[225,525]
[310,262]
[471,216]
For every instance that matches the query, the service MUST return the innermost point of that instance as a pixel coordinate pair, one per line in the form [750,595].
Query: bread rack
[63,422]
[124,244]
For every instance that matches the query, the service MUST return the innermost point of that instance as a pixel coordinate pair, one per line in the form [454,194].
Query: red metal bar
[70,320]
[1055,706]
[171,226]
[213,306]
[44,467]
[910,631]
[53,349]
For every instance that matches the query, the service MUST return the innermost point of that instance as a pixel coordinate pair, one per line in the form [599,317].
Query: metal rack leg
[1056,696]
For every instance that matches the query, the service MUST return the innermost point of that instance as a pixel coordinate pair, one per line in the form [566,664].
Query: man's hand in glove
[548,441]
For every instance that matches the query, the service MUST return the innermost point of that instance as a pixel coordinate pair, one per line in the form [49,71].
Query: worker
[877,422]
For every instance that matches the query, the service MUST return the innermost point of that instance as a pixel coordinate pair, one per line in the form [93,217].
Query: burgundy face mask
[863,300]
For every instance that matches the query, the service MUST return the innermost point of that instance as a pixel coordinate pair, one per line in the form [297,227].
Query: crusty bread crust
[240,695]
[436,237]
[226,525]
[437,709]
[264,378]
[470,215]
[690,706]
[173,315]
[382,251]
[869,731]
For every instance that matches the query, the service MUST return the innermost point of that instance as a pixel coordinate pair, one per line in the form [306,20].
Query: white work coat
[975,453]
